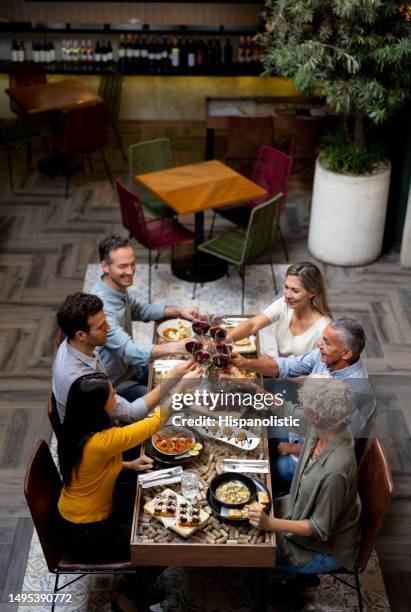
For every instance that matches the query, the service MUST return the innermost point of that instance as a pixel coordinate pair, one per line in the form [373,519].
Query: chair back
[306,134]
[148,156]
[375,488]
[110,89]
[262,229]
[272,172]
[54,415]
[42,486]
[245,136]
[132,214]
[83,130]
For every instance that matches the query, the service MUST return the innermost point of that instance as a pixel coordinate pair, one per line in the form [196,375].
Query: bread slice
[165,505]
[262,497]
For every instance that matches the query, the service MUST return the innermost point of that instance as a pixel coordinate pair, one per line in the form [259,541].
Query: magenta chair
[82,131]
[272,171]
[155,234]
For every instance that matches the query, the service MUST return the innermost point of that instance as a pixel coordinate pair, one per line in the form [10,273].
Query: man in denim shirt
[125,361]
[337,356]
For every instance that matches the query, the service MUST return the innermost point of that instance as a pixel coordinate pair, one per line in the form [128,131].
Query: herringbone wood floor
[46,244]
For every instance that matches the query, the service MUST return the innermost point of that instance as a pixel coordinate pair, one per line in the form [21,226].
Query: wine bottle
[14,51]
[191,55]
[175,56]
[228,52]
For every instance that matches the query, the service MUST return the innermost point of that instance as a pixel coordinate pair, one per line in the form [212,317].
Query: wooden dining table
[195,188]
[49,100]
[218,543]
[60,96]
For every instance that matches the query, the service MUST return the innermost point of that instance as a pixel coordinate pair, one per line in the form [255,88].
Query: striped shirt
[355,377]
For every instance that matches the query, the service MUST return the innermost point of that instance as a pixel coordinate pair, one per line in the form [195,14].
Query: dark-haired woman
[90,456]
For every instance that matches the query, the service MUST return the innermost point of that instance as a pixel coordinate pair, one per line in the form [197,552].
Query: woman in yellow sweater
[90,456]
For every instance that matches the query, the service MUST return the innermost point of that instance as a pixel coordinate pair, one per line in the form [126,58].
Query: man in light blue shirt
[337,356]
[126,361]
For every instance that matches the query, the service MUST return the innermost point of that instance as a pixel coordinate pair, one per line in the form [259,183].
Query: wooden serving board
[167,521]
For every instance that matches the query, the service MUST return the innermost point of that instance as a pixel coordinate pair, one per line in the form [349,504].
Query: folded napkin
[160,477]
[246,466]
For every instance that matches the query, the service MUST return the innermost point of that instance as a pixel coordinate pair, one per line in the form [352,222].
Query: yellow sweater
[89,497]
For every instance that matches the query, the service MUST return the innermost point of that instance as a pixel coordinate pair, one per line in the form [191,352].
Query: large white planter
[348,216]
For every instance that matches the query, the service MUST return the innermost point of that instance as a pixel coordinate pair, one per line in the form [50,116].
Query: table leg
[259,590]
[209,152]
[194,266]
[143,603]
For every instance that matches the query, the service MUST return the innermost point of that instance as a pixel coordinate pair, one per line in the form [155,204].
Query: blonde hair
[311,278]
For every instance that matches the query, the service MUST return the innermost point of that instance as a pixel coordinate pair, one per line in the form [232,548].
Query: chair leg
[272,272]
[242,274]
[90,165]
[358,589]
[10,169]
[158,258]
[110,178]
[56,583]
[149,276]
[67,169]
[119,141]
[210,234]
[282,240]
[194,290]
[29,155]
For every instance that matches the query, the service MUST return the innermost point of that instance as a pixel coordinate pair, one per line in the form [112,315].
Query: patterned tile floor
[205,590]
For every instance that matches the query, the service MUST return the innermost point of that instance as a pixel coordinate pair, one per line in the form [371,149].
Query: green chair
[241,247]
[150,156]
[110,90]
[11,137]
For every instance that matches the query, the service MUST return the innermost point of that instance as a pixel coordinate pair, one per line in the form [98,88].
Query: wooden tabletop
[201,186]
[215,544]
[62,95]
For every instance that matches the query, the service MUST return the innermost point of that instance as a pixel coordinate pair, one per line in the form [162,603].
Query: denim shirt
[355,377]
[121,356]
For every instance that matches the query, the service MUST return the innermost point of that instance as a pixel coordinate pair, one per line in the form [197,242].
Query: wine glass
[192,346]
[190,482]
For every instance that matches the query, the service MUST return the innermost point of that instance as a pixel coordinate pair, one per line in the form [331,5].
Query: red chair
[245,137]
[155,234]
[81,131]
[272,171]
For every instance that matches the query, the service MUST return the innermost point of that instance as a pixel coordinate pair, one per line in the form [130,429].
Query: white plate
[250,444]
[176,324]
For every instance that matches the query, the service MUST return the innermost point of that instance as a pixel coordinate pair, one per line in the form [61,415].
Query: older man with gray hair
[337,356]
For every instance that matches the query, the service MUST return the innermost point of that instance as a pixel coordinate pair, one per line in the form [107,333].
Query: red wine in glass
[192,346]
[221,360]
[218,333]
[222,347]
[202,357]
[200,327]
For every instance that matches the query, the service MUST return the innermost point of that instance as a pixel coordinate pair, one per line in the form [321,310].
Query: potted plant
[357,54]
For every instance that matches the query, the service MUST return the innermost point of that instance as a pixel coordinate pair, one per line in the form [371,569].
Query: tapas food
[235,436]
[165,505]
[239,513]
[233,493]
[189,514]
[174,329]
[173,441]
[232,490]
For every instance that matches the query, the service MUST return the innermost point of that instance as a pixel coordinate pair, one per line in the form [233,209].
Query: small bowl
[232,477]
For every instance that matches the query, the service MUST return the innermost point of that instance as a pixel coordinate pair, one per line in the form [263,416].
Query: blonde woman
[301,314]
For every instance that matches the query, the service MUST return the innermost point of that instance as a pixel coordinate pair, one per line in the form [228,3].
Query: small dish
[173,441]
[243,483]
[175,329]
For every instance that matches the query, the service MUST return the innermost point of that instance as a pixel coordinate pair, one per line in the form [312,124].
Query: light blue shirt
[357,380]
[69,365]
[121,356]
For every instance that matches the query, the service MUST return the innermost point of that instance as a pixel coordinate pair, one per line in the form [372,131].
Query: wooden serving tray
[185,532]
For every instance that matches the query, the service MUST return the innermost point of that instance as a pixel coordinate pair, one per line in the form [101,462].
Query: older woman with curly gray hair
[317,524]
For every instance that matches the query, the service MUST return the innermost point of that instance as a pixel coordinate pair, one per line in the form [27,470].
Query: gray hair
[328,398]
[352,333]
